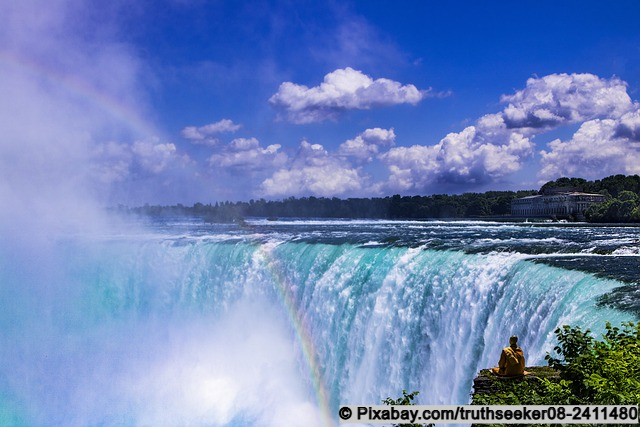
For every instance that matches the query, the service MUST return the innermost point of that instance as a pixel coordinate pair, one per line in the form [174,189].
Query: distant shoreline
[621,205]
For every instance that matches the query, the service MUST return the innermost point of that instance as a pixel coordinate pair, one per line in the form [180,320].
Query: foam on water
[259,329]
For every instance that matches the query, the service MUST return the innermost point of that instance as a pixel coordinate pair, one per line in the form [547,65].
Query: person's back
[512,360]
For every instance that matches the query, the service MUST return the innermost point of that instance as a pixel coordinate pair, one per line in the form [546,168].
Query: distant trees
[468,205]
[624,208]
[623,204]
[611,185]
[623,191]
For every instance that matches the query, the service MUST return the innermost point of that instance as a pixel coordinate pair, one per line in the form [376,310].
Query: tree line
[622,205]
[622,191]
[468,205]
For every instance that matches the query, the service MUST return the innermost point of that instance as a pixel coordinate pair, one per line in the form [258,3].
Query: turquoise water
[276,323]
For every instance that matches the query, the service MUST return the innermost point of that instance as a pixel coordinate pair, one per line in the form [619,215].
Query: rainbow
[303,336]
[81,89]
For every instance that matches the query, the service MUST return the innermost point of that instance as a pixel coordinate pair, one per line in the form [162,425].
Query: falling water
[233,327]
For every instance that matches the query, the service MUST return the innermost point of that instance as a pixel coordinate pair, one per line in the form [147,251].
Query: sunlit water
[276,323]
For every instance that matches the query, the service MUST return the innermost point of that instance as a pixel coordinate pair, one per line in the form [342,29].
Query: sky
[184,101]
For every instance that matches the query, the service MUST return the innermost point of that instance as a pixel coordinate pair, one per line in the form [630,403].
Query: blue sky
[180,101]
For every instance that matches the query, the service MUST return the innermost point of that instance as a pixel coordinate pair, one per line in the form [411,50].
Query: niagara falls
[181,322]
[259,212]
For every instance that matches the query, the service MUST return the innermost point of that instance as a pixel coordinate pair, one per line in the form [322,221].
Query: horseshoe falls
[277,323]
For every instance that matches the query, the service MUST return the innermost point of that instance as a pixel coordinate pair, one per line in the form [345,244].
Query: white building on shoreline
[562,202]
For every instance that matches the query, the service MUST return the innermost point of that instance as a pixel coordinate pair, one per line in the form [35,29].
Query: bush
[603,372]
[406,399]
[592,372]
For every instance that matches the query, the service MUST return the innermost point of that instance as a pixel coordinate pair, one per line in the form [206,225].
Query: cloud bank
[487,153]
[497,145]
[599,148]
[246,154]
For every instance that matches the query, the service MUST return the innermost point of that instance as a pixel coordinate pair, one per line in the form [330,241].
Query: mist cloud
[61,100]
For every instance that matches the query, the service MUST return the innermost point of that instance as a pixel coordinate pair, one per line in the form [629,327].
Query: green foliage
[406,399]
[564,182]
[491,203]
[591,372]
[604,372]
[529,391]
[623,192]
[623,209]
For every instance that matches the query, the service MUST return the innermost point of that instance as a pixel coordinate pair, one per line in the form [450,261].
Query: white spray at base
[167,333]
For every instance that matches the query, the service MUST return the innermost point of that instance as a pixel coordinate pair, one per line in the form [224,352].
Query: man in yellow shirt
[511,362]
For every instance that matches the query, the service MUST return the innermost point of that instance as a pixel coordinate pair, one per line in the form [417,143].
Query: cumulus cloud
[206,134]
[341,90]
[629,126]
[498,144]
[314,171]
[366,146]
[565,98]
[247,155]
[599,148]
[477,155]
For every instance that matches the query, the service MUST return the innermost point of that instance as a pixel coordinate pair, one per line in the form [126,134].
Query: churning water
[276,323]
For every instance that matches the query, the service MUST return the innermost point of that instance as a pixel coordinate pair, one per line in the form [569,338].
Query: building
[562,202]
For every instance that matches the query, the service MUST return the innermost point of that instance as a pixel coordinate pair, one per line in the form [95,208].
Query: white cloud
[314,171]
[111,162]
[240,144]
[366,146]
[498,144]
[114,162]
[629,125]
[206,134]
[411,168]
[341,90]
[477,155]
[247,155]
[153,157]
[597,149]
[565,98]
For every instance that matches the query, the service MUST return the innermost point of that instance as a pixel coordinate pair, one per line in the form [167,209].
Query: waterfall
[196,332]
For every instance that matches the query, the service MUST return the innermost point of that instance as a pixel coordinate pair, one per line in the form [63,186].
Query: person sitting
[511,362]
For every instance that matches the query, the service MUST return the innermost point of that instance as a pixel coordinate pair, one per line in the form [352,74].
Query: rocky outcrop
[484,382]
